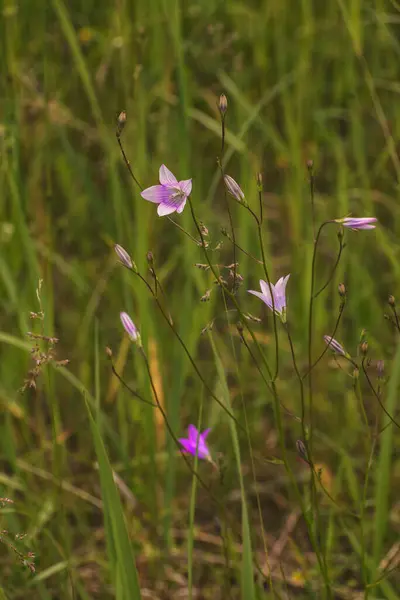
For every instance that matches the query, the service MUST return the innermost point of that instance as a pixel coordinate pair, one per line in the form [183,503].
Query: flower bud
[130,327]
[234,188]
[380,367]
[223,105]
[301,449]
[121,122]
[150,258]
[203,229]
[364,348]
[123,256]
[342,290]
[392,300]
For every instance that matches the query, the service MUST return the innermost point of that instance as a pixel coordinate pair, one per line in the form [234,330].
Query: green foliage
[304,81]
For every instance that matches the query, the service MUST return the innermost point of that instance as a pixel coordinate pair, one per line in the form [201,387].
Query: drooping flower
[278,293]
[358,223]
[334,345]
[129,327]
[234,188]
[195,443]
[170,195]
[123,256]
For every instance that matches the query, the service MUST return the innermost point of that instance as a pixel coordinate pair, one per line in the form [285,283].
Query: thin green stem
[192,361]
[377,395]
[333,271]
[226,290]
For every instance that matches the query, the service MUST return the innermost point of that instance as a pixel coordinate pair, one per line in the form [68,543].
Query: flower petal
[181,206]
[187,445]
[280,285]
[186,186]
[193,433]
[166,208]
[156,194]
[202,451]
[166,177]
[265,288]
[262,297]
[280,293]
[205,433]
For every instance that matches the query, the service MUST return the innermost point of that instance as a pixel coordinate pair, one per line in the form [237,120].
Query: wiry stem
[193,363]
[377,396]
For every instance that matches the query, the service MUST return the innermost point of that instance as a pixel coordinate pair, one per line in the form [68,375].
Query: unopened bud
[310,164]
[203,229]
[356,374]
[234,188]
[109,352]
[123,256]
[223,105]
[130,328]
[121,122]
[364,348]
[260,182]
[392,300]
[301,449]
[340,234]
[342,289]
[380,367]
[150,258]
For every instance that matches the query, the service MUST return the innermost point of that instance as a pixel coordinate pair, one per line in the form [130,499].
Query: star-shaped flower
[279,295]
[196,441]
[170,195]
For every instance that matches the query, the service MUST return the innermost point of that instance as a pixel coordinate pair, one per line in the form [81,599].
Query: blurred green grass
[311,80]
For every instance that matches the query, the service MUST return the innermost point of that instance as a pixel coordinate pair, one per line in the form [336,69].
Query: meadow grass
[106,501]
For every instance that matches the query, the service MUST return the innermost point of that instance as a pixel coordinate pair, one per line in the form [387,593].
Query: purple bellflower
[358,223]
[130,327]
[278,293]
[170,195]
[195,443]
[334,345]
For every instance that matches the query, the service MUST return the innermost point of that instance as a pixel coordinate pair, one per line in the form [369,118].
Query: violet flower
[196,443]
[234,188]
[170,195]
[130,327]
[358,223]
[334,345]
[278,293]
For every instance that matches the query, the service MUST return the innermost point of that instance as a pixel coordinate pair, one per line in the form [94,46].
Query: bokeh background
[309,80]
